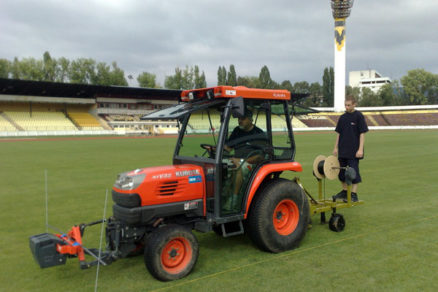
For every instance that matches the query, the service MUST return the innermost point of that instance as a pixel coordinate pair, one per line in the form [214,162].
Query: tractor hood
[162,184]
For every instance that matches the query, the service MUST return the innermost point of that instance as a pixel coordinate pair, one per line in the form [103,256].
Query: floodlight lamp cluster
[341,8]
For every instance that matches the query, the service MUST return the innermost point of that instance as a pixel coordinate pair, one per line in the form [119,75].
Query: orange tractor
[219,181]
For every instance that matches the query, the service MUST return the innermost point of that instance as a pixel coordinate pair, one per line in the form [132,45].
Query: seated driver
[246,141]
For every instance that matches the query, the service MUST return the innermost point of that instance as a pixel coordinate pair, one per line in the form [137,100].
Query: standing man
[349,145]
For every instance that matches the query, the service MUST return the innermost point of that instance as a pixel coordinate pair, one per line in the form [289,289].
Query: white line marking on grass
[299,251]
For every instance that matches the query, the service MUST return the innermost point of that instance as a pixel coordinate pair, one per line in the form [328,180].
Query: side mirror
[237,107]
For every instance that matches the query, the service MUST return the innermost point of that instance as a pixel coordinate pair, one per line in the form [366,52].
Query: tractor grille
[170,188]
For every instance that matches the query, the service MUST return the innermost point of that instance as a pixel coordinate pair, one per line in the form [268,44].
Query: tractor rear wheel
[279,216]
[171,252]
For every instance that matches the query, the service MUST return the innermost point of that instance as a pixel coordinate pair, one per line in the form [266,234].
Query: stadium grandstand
[33,108]
[377,118]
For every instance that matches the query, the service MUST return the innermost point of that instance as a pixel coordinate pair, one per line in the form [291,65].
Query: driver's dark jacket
[244,142]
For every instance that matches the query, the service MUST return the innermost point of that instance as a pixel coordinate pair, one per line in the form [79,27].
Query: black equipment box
[43,247]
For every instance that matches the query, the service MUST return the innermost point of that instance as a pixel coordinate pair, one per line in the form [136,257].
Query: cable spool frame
[328,167]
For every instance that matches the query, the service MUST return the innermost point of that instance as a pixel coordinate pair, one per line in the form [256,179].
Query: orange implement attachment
[73,246]
[233,92]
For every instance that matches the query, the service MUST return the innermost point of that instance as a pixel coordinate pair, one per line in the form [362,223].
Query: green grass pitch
[389,244]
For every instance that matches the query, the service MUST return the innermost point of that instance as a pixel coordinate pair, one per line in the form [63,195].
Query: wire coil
[326,167]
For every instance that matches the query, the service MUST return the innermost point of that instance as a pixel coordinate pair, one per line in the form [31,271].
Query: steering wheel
[210,149]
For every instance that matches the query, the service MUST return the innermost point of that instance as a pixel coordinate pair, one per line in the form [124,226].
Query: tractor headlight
[129,182]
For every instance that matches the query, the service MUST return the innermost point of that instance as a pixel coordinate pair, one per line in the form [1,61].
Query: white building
[368,78]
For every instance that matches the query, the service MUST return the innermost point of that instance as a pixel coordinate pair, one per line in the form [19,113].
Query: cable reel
[326,167]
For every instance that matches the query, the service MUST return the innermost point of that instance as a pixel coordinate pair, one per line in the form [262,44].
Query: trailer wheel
[171,252]
[337,223]
[279,216]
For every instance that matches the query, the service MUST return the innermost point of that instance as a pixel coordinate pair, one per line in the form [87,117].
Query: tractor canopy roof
[234,92]
[196,99]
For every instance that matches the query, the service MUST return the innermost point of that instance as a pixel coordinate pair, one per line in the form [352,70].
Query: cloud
[293,38]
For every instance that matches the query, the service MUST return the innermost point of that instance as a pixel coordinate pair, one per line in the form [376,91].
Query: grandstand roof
[71,90]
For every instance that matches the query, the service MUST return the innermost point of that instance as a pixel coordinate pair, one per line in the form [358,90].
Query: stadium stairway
[103,123]
[11,122]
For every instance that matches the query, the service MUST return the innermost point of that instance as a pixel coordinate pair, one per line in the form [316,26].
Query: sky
[295,39]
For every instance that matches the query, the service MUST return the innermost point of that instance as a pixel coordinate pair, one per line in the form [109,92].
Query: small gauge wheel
[337,223]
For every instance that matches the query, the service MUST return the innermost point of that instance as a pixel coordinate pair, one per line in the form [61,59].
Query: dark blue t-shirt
[349,127]
[244,142]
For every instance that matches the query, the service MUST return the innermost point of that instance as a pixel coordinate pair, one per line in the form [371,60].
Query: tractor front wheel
[171,252]
[279,216]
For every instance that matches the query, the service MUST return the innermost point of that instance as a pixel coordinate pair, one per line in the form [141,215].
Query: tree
[117,76]
[82,71]
[174,81]
[15,69]
[354,91]
[286,84]
[62,70]
[203,81]
[265,78]
[103,74]
[369,98]
[200,81]
[221,76]
[49,67]
[316,97]
[328,86]
[232,77]
[421,86]
[388,96]
[188,78]
[248,81]
[31,69]
[147,79]
[4,68]
[301,87]
[394,94]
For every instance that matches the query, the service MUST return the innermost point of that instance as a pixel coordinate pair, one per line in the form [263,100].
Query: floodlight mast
[341,10]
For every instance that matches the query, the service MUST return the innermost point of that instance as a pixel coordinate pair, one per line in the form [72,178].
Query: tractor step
[234,228]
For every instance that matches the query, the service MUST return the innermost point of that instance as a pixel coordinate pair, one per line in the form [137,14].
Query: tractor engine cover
[146,193]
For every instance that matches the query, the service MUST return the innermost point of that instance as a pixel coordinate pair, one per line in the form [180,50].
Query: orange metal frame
[237,91]
[73,246]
